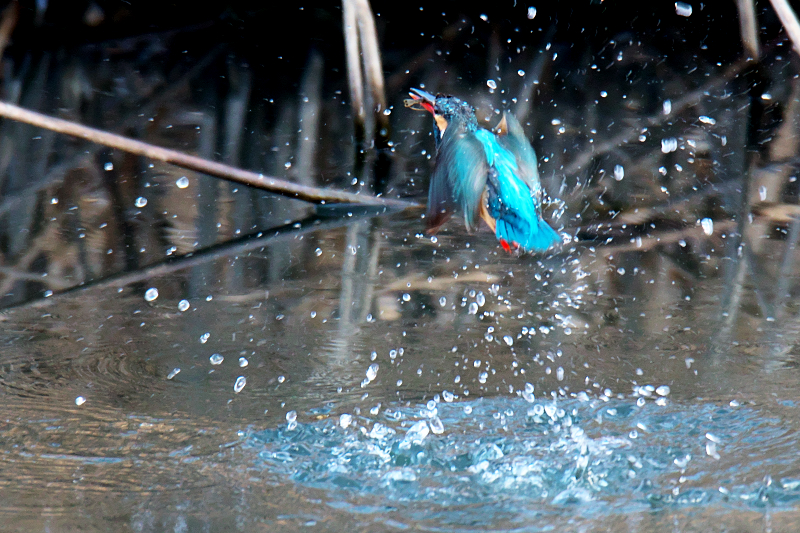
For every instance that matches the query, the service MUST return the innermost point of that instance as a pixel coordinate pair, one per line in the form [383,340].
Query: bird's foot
[509,247]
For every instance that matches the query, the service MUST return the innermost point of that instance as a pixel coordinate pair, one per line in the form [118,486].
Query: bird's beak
[421,101]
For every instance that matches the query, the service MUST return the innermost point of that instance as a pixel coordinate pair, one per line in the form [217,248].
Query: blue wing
[459,178]
[513,189]
[514,141]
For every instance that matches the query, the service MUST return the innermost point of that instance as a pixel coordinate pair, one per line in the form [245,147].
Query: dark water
[178,354]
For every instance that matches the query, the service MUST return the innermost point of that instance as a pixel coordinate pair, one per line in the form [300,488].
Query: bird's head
[445,109]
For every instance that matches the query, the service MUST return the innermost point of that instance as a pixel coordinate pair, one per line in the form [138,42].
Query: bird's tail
[538,237]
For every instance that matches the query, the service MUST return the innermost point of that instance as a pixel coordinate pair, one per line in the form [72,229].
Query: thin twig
[747,26]
[373,70]
[212,168]
[789,21]
[354,79]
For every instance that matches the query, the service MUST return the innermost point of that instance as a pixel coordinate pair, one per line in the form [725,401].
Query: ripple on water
[536,460]
[37,374]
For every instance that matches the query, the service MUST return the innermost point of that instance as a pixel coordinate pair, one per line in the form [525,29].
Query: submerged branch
[238,247]
[212,168]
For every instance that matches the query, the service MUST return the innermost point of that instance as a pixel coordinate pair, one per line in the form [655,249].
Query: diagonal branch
[212,168]
[789,21]
[237,247]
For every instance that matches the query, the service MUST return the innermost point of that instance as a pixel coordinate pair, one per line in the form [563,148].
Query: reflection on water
[424,381]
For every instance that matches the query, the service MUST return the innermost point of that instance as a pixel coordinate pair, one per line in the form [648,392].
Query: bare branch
[747,26]
[373,69]
[789,21]
[354,79]
[212,168]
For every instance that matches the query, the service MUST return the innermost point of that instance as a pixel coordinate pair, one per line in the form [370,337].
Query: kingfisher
[491,175]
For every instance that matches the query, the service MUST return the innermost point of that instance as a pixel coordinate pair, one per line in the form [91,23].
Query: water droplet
[216,359]
[204,337]
[241,381]
[621,271]
[184,305]
[669,145]
[473,308]
[243,362]
[711,450]
[480,299]
[509,340]
[436,425]
[667,107]
[521,72]
[619,172]
[108,167]
[560,374]
[681,462]
[182,182]
[416,433]
[281,379]
[663,390]
[491,84]
[483,376]
[683,9]
[345,420]
[448,396]
[318,252]
[372,371]
[406,297]
[531,13]
[484,17]
[80,400]
[708,226]
[175,372]
[706,120]
[140,202]
[762,193]
[287,165]
[54,201]
[442,301]
[151,294]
